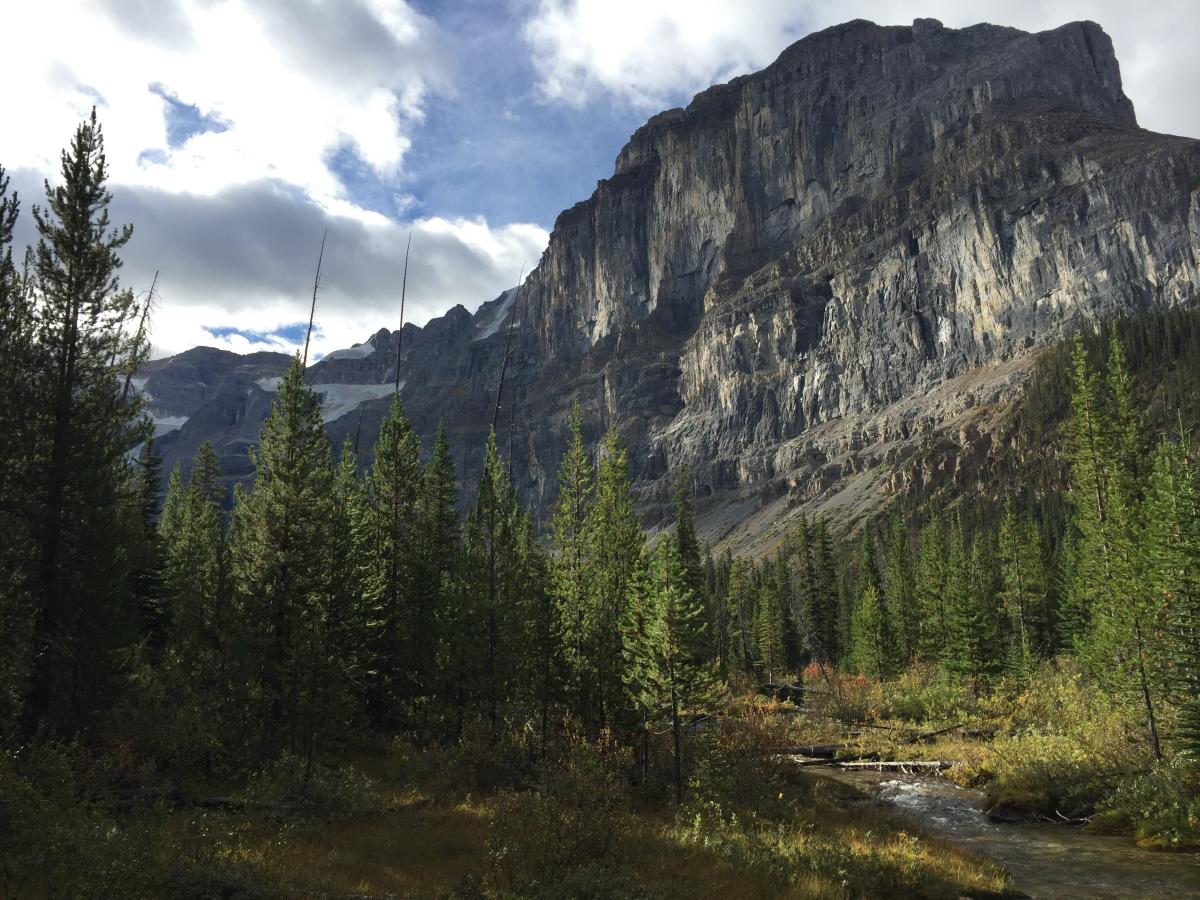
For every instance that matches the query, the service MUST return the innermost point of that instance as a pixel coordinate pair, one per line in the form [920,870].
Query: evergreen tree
[617,545]
[899,590]
[1117,645]
[17,513]
[769,627]
[438,542]
[740,616]
[571,570]
[402,648]
[80,429]
[973,649]
[492,588]
[685,535]
[1023,591]
[279,556]
[196,571]
[866,574]
[872,647]
[667,673]
[824,606]
[931,590]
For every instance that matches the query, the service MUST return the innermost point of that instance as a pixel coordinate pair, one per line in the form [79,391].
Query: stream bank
[1045,860]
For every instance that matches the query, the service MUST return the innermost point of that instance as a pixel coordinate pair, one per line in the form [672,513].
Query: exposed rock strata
[797,280]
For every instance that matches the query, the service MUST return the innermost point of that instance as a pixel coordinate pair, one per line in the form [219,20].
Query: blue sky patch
[184,120]
[291,334]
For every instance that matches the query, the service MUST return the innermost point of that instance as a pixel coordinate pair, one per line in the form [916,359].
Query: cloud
[237,133]
[657,54]
[243,259]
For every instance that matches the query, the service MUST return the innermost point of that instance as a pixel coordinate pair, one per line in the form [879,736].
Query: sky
[239,132]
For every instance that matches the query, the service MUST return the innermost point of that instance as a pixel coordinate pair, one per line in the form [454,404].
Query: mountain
[797,283]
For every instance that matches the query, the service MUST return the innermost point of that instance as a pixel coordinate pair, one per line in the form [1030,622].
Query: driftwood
[807,761]
[817,751]
[910,765]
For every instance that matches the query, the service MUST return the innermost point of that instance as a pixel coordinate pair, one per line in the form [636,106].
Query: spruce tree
[974,647]
[667,673]
[685,534]
[279,555]
[1117,644]
[402,649]
[617,545]
[1023,591]
[438,542]
[931,590]
[872,644]
[575,599]
[81,427]
[769,627]
[824,605]
[491,589]
[899,590]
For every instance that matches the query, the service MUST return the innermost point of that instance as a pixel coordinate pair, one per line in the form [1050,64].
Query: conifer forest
[362,674]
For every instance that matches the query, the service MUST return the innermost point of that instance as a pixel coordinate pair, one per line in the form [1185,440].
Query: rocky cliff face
[794,283]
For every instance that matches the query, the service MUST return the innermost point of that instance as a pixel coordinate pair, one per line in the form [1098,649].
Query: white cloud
[232,218]
[293,80]
[652,53]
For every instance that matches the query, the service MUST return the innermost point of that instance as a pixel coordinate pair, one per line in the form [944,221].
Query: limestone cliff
[792,284]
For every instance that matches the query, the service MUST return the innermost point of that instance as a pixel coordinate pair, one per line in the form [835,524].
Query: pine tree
[279,554]
[617,545]
[685,535]
[1117,645]
[667,673]
[16,515]
[769,625]
[931,590]
[402,648]
[899,590]
[81,426]
[872,644]
[825,603]
[1023,591]
[492,588]
[438,542]
[571,571]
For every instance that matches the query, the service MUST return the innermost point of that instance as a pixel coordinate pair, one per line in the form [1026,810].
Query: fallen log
[811,761]
[885,765]
[817,751]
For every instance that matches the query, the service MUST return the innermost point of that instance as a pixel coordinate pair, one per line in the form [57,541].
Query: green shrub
[1161,807]
[924,694]
[56,841]
[549,833]
[322,789]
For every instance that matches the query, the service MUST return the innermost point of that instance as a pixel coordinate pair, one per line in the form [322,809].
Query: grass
[821,848]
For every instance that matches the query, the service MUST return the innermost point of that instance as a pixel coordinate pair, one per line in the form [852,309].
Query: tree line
[330,602]
[327,602]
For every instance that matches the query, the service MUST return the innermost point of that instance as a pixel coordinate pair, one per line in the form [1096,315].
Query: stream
[1045,861]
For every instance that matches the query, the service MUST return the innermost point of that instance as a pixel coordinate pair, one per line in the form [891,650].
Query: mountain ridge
[790,284]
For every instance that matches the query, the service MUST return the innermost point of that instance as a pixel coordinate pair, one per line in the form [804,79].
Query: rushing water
[1046,861]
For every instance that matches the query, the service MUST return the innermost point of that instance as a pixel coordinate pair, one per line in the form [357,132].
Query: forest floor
[769,830]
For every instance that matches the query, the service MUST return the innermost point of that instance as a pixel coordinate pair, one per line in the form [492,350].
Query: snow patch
[167,424]
[339,399]
[945,330]
[498,316]
[360,352]
[270,385]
